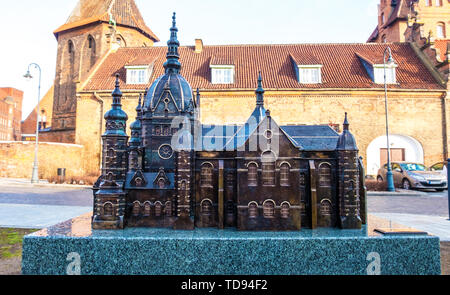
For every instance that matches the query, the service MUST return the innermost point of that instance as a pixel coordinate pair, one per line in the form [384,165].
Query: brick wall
[16,159]
[10,113]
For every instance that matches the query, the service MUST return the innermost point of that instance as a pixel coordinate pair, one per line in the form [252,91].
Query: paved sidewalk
[37,216]
[21,182]
[434,225]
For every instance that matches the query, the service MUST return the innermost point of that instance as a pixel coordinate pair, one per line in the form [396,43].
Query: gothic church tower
[93,29]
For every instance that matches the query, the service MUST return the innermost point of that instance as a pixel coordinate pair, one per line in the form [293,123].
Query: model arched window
[253,210]
[206,208]
[326,208]
[206,175]
[157,130]
[269,209]
[136,208]
[158,209]
[161,183]
[147,209]
[325,175]
[428,2]
[252,174]
[440,30]
[284,174]
[438,2]
[302,179]
[168,208]
[285,210]
[108,209]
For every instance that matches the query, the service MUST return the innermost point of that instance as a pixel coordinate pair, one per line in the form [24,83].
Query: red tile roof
[124,12]
[342,68]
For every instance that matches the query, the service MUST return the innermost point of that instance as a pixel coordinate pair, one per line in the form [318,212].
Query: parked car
[408,175]
[440,167]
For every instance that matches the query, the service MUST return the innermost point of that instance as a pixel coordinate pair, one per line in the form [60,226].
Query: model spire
[117,94]
[260,92]
[346,124]
[173,65]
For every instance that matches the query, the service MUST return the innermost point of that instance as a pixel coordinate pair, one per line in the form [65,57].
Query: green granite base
[73,248]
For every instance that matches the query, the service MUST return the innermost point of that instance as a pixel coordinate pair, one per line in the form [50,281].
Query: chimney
[198,45]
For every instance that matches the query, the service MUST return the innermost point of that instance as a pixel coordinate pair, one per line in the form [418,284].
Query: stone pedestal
[73,248]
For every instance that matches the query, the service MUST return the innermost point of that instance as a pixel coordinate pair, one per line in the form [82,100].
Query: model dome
[170,92]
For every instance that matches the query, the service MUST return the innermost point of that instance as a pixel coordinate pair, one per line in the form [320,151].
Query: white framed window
[223,74]
[438,2]
[440,30]
[138,74]
[310,74]
[391,76]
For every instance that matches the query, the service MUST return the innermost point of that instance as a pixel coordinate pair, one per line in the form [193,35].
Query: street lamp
[389,176]
[35,173]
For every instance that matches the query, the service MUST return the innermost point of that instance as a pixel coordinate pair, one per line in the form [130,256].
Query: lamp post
[35,173]
[389,176]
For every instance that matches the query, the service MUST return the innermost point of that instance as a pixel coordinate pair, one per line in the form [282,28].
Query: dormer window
[375,68]
[310,74]
[138,74]
[222,74]
[390,74]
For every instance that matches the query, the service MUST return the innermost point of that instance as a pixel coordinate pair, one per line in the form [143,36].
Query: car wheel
[406,184]
[379,179]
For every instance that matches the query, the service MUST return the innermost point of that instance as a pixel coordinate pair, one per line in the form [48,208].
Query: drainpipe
[100,100]
[444,124]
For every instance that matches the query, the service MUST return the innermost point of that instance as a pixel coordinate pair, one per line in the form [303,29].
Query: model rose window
[269,209]
[252,174]
[284,174]
[325,175]
[206,175]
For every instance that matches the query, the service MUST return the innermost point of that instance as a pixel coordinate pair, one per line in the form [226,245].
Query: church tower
[110,199]
[94,28]
[167,126]
[348,182]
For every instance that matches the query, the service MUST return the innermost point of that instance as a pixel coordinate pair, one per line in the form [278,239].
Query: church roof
[123,12]
[342,68]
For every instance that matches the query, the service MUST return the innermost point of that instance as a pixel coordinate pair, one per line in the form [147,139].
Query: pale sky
[26,28]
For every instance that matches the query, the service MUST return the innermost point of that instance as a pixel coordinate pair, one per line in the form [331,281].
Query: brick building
[394,17]
[305,84]
[10,114]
